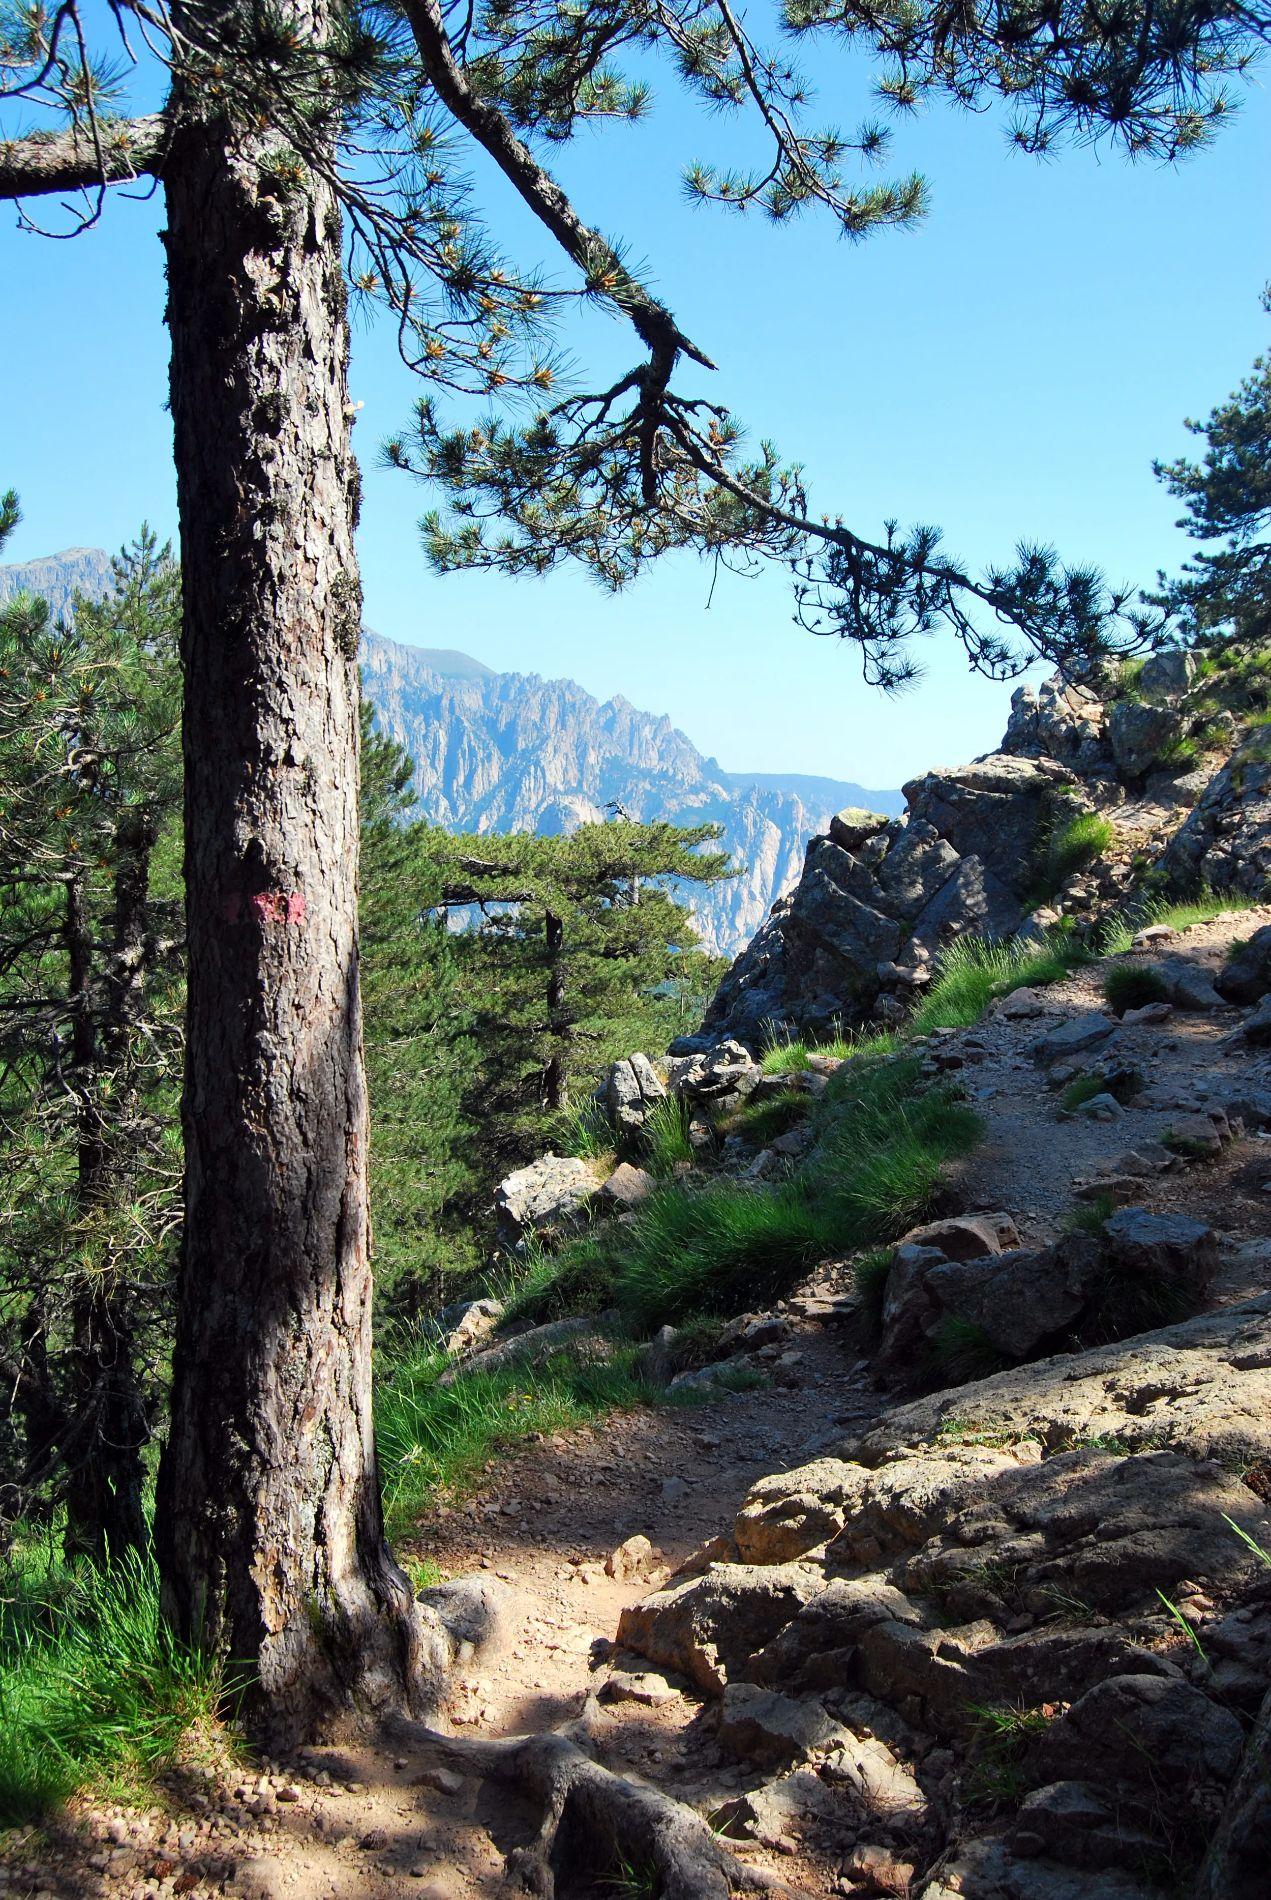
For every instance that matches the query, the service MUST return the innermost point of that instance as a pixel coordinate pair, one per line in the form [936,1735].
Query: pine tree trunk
[553,1084]
[269,1529]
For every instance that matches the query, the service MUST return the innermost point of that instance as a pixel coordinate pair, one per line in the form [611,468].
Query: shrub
[1132,986]
[93,1682]
[785,1057]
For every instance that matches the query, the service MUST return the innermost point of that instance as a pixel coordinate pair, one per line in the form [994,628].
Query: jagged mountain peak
[500,751]
[515,752]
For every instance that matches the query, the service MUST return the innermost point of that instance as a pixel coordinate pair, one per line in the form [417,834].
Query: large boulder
[973,902]
[1023,1297]
[1246,975]
[550,1193]
[707,1627]
[1161,1247]
[1139,733]
[794,1511]
[1147,1732]
[724,1068]
[631,1088]
[1082,1825]
[1226,840]
[1167,673]
[1020,1300]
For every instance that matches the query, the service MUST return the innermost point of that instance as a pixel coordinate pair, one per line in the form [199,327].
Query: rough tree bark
[269,1527]
[552,1090]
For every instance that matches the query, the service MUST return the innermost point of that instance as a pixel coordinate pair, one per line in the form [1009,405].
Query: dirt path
[364,1825]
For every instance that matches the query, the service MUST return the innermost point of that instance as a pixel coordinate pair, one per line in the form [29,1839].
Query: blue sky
[1008,370]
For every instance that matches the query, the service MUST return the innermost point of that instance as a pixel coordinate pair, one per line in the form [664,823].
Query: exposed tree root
[595,1821]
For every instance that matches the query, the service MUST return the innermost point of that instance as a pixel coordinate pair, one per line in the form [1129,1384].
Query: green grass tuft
[437,1439]
[718,1249]
[664,1138]
[973,971]
[93,1684]
[776,1115]
[1202,907]
[962,1351]
[784,1058]
[878,1167]
[1132,986]
[583,1129]
[1085,837]
[544,1284]
[869,1276]
[1084,1089]
[1089,1217]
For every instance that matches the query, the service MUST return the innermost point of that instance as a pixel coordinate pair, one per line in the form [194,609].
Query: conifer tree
[90,998]
[576,931]
[1225,591]
[305,149]
[426,1150]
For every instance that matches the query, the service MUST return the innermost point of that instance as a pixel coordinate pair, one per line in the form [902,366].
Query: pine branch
[75,160]
[594,255]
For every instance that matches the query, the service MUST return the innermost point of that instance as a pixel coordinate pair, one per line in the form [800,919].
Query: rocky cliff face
[57,578]
[513,752]
[1161,770]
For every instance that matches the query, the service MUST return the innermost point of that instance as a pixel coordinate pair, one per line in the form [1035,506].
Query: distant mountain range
[58,577]
[513,752]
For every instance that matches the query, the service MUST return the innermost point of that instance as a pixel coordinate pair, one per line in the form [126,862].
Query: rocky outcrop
[57,578]
[969,1624]
[547,1194]
[1226,840]
[877,902]
[985,850]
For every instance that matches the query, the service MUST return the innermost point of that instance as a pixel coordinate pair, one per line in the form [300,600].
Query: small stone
[442,1780]
[635,1557]
[1148,1013]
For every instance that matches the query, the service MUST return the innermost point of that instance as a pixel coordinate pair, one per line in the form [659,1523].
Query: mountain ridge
[519,752]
